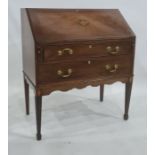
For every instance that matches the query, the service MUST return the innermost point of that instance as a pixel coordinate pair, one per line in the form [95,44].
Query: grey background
[75,122]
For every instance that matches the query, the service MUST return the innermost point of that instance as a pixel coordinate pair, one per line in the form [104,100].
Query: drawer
[64,52]
[86,69]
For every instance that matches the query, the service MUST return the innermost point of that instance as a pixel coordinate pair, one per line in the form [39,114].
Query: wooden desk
[74,48]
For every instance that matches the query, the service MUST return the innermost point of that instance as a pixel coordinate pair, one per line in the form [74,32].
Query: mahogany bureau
[74,48]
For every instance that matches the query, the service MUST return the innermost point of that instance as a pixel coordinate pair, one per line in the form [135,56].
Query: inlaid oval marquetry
[83,22]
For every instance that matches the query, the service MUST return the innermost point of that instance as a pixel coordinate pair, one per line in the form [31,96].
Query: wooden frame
[36,44]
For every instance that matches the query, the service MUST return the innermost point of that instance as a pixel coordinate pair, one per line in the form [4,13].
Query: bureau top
[65,25]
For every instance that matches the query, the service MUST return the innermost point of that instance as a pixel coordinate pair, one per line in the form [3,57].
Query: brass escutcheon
[89,62]
[90,46]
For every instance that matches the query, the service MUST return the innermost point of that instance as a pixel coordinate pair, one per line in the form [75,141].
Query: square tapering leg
[128,88]
[101,92]
[26,87]
[38,105]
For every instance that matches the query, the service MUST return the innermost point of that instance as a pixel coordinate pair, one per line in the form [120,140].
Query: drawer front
[64,52]
[86,69]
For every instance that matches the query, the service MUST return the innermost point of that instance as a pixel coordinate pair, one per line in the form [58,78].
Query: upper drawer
[69,51]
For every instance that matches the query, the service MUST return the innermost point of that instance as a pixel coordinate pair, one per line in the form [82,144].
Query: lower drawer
[85,69]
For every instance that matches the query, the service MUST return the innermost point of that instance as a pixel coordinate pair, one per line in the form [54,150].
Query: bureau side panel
[28,47]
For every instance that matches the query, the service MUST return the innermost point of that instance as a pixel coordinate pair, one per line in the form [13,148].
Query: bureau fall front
[75,48]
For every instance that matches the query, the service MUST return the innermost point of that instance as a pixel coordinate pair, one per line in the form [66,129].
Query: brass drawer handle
[110,50]
[61,73]
[66,50]
[111,68]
